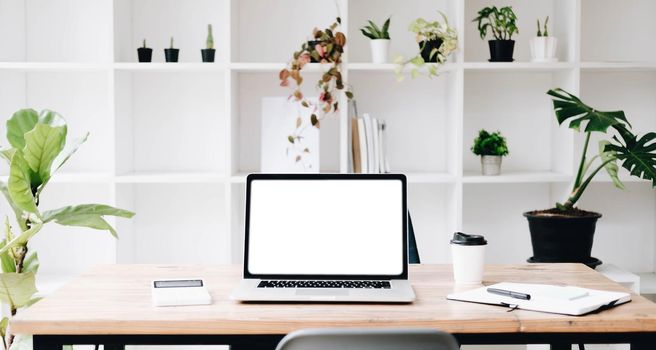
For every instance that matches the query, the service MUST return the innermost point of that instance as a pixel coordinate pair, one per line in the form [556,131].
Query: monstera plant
[565,233]
[38,149]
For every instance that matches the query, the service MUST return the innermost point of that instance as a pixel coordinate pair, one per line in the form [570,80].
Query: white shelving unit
[174,141]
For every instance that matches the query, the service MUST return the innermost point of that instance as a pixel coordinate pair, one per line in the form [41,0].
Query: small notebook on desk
[544,298]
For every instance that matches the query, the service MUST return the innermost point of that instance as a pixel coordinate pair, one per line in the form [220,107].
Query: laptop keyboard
[324,284]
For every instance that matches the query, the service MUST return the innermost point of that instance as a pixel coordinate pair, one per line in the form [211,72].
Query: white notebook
[565,300]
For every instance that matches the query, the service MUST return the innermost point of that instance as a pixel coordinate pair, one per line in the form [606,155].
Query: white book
[374,129]
[381,147]
[362,136]
[566,300]
[369,132]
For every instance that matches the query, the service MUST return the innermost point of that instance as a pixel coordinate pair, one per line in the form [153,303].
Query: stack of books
[368,155]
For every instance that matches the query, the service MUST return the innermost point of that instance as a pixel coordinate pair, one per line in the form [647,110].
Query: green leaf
[7,153]
[86,215]
[3,327]
[20,123]
[570,107]
[21,185]
[91,221]
[314,120]
[6,261]
[17,289]
[33,301]
[22,238]
[31,263]
[611,167]
[638,156]
[42,145]
[386,28]
[17,211]
[63,157]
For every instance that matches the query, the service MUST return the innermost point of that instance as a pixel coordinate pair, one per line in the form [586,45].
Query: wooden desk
[111,305]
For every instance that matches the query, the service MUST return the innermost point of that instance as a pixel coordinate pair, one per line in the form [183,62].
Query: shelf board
[518,66]
[429,177]
[274,67]
[170,177]
[391,67]
[169,67]
[81,177]
[54,66]
[618,66]
[517,177]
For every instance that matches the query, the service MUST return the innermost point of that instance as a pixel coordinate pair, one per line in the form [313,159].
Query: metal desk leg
[114,347]
[561,346]
[641,346]
[44,342]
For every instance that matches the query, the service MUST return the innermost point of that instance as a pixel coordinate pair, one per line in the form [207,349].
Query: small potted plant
[565,233]
[380,40]
[543,47]
[145,53]
[171,54]
[491,147]
[208,52]
[436,40]
[501,22]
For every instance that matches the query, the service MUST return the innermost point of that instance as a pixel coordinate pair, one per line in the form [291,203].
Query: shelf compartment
[55,31]
[170,122]
[66,250]
[158,20]
[186,220]
[403,42]
[496,212]
[628,44]
[252,43]
[420,145]
[80,97]
[562,24]
[523,113]
[248,90]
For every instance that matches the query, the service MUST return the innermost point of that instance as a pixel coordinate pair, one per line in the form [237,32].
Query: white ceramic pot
[379,50]
[543,49]
[491,165]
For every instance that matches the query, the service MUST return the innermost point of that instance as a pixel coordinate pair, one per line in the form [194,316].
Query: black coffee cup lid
[467,239]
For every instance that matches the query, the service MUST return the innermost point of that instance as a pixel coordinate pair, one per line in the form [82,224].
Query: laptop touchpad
[331,291]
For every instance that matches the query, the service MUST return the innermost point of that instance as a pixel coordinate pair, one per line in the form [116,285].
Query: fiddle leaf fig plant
[637,154]
[37,150]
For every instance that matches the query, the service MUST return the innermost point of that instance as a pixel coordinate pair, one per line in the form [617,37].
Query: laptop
[325,238]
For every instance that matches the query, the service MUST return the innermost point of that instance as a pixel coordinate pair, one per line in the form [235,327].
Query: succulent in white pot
[543,46]
[380,41]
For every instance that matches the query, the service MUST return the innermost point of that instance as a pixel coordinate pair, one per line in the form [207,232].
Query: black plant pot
[208,55]
[558,239]
[501,50]
[427,47]
[171,55]
[145,54]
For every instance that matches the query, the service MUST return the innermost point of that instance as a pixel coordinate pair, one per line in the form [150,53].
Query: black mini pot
[562,238]
[171,55]
[207,54]
[501,50]
[427,47]
[145,54]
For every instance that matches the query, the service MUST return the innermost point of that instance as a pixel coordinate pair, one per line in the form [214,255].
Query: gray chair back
[368,339]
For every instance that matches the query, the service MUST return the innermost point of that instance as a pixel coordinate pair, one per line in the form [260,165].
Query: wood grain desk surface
[116,299]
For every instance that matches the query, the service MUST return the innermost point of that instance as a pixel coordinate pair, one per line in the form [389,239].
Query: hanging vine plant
[326,47]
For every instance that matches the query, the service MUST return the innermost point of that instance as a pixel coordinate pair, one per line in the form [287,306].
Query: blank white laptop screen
[326,227]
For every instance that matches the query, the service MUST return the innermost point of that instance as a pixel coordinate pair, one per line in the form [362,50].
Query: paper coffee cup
[468,256]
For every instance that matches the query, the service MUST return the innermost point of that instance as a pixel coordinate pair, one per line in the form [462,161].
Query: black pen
[508,293]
